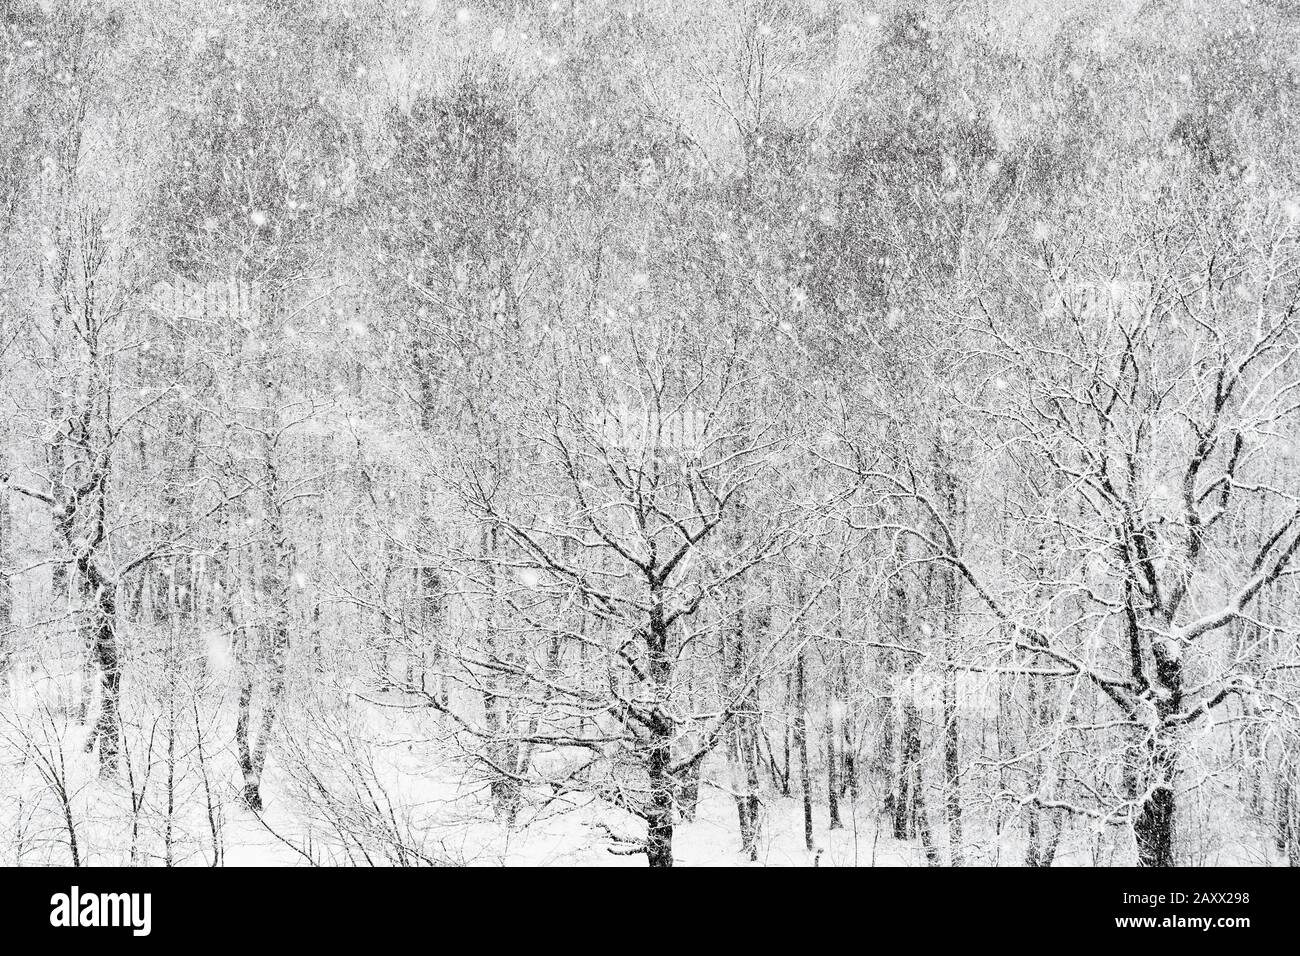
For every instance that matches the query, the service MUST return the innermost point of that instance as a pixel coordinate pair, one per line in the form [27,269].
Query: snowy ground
[425,799]
[573,839]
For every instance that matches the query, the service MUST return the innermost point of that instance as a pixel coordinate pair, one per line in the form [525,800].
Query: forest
[649,432]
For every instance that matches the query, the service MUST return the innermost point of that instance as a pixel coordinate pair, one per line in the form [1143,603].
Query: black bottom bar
[315,906]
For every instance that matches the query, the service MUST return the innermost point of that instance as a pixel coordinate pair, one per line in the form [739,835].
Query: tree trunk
[1154,825]
[887,757]
[946,485]
[1034,816]
[1288,808]
[801,742]
[911,807]
[688,791]
[276,574]
[101,595]
[901,784]
[659,814]
[832,767]
[108,723]
[897,674]
[659,820]
[952,768]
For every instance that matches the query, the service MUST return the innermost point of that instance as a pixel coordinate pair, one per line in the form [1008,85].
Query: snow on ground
[427,801]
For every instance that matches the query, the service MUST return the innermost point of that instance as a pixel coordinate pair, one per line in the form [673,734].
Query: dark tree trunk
[887,758]
[1289,810]
[659,825]
[902,774]
[1154,824]
[745,753]
[909,814]
[275,640]
[1033,815]
[1057,826]
[688,791]
[502,747]
[108,723]
[834,716]
[659,814]
[848,738]
[104,653]
[897,672]
[801,743]
[748,801]
[832,774]
[952,768]
[950,599]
